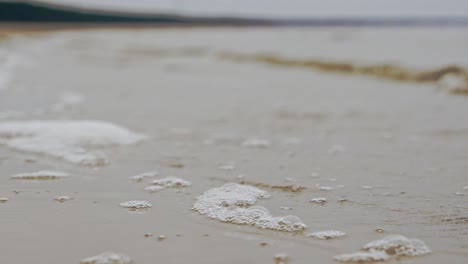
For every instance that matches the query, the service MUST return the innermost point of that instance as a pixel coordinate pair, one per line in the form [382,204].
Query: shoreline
[369,157]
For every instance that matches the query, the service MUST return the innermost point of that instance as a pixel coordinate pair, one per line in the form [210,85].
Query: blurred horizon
[293,9]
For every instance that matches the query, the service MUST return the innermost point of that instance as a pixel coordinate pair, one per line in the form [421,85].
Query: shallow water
[406,141]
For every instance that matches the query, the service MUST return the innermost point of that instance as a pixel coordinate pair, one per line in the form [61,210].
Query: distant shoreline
[74,17]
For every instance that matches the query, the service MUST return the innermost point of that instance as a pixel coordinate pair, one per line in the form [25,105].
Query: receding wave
[452,78]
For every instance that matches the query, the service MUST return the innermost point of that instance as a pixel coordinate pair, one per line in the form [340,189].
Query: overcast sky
[289,8]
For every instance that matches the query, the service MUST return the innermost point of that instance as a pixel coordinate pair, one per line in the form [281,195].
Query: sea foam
[136,204]
[386,249]
[140,177]
[107,258]
[329,234]
[172,182]
[232,203]
[41,175]
[72,141]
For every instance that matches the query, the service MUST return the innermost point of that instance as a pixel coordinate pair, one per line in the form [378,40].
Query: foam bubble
[256,143]
[136,204]
[171,181]
[363,257]
[232,203]
[73,141]
[3,200]
[107,258]
[153,188]
[326,188]
[41,175]
[398,245]
[387,248]
[319,200]
[140,177]
[62,199]
[329,234]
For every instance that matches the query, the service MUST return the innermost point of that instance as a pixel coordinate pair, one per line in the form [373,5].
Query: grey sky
[290,8]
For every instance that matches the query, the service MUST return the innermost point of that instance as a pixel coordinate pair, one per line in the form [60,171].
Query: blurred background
[285,8]
[260,9]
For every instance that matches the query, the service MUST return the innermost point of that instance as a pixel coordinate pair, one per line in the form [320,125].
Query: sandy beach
[345,114]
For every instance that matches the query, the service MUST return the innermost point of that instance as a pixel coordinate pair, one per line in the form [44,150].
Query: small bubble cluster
[107,258]
[329,234]
[171,181]
[41,175]
[232,203]
[318,200]
[153,188]
[387,248]
[142,176]
[136,204]
[360,257]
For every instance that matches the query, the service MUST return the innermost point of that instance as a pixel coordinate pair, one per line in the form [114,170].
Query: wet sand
[393,152]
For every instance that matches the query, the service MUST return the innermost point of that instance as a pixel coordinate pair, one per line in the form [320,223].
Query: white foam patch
[140,177]
[329,234]
[256,143]
[136,204]
[41,175]
[319,200]
[62,199]
[326,188]
[73,141]
[171,182]
[387,248]
[399,245]
[232,203]
[361,257]
[107,258]
[153,188]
